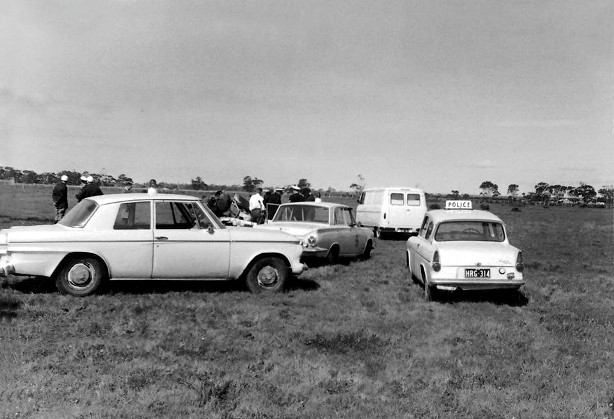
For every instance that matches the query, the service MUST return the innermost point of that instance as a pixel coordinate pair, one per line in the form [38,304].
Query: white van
[391,210]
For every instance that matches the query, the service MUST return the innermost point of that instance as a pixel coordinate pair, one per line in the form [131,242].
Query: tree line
[250,183]
[547,192]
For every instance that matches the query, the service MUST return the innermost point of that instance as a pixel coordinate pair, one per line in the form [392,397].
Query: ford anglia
[147,237]
[459,248]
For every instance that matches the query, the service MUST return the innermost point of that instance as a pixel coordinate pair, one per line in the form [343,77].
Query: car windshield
[485,231]
[309,213]
[78,216]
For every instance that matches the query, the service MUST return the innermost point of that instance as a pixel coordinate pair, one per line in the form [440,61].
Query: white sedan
[147,236]
[459,248]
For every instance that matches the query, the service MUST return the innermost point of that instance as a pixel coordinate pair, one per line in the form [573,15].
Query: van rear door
[406,210]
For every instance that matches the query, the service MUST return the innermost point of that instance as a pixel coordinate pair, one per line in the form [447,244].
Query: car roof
[316,204]
[126,197]
[448,215]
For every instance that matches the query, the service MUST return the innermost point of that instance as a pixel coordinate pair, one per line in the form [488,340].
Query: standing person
[153,186]
[296,196]
[256,207]
[306,192]
[60,198]
[89,189]
[274,203]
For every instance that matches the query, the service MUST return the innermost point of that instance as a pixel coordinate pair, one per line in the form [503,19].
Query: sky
[441,95]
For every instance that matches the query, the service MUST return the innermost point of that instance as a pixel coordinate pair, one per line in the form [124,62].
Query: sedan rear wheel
[81,276]
[268,275]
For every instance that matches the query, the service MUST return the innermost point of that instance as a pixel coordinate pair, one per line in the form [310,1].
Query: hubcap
[267,276]
[80,274]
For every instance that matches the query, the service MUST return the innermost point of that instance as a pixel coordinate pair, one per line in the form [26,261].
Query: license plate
[477,273]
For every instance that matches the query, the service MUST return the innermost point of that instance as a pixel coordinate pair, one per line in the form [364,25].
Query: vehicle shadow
[39,285]
[513,298]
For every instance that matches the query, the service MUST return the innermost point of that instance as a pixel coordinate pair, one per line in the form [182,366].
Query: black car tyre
[267,275]
[333,255]
[367,253]
[81,276]
[429,291]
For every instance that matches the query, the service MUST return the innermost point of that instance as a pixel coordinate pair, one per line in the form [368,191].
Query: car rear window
[486,231]
[78,216]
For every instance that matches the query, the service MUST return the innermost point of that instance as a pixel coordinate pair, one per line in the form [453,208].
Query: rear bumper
[456,285]
[400,230]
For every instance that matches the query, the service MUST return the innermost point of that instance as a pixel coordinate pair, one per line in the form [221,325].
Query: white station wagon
[327,230]
[147,236]
[459,248]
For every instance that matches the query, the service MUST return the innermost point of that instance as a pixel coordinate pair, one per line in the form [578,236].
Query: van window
[413,199]
[396,199]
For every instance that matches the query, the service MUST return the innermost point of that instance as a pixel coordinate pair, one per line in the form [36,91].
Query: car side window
[173,215]
[342,216]
[424,225]
[429,230]
[133,216]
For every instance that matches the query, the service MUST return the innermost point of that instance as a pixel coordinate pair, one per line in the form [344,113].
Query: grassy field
[352,340]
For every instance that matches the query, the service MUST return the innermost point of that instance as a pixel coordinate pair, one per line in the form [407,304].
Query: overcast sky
[437,94]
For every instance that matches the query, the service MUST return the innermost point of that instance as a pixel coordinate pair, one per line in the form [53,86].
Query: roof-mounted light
[459,205]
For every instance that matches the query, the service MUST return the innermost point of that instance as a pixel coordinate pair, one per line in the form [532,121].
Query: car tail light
[519,264]
[436,264]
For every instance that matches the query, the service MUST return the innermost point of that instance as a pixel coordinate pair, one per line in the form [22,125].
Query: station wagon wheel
[81,276]
[333,255]
[267,275]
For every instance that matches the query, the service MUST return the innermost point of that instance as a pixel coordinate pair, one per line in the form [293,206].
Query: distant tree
[608,194]
[48,178]
[541,188]
[29,176]
[198,184]
[512,190]
[123,179]
[455,194]
[489,189]
[586,192]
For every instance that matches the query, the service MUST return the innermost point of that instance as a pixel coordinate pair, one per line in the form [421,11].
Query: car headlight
[312,240]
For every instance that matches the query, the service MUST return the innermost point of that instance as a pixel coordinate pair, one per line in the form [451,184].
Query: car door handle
[161,238]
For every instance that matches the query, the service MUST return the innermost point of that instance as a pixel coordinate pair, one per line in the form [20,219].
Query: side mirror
[210,229]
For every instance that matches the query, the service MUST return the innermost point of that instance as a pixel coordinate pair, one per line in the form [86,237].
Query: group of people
[60,194]
[260,206]
[90,188]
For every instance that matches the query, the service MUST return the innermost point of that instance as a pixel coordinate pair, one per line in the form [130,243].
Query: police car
[459,248]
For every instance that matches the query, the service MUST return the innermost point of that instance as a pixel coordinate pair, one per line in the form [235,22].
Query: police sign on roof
[459,205]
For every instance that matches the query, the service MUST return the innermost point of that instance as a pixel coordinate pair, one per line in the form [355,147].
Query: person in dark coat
[222,203]
[306,192]
[296,195]
[60,198]
[90,189]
